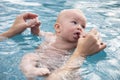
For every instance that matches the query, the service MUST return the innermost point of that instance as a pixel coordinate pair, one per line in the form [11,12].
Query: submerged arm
[68,71]
[86,46]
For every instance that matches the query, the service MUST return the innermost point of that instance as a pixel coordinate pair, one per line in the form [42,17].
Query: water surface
[101,14]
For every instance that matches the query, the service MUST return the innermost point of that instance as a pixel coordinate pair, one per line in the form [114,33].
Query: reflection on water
[21,2]
[104,15]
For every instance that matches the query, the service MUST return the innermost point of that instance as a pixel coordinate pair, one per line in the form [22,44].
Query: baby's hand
[29,67]
[36,72]
[34,25]
[41,71]
[33,22]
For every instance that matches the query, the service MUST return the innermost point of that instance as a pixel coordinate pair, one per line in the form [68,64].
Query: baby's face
[72,23]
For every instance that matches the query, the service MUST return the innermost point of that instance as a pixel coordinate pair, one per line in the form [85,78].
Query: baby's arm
[34,25]
[29,67]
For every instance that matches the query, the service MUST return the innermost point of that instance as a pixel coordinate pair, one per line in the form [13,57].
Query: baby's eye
[83,27]
[74,22]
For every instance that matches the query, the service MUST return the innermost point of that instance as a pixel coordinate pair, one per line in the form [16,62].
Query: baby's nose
[79,27]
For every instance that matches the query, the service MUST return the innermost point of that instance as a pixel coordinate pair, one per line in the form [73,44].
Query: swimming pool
[102,14]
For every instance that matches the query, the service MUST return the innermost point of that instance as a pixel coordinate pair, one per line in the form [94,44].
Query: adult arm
[20,24]
[88,45]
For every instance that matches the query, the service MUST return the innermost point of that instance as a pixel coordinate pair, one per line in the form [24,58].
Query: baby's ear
[57,27]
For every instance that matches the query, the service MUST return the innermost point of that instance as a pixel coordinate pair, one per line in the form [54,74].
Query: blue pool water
[102,14]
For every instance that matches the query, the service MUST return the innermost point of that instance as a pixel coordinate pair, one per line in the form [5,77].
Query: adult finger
[98,36]
[83,34]
[29,15]
[102,46]
[93,31]
[100,39]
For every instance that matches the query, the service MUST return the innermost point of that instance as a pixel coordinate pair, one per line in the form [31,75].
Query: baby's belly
[52,61]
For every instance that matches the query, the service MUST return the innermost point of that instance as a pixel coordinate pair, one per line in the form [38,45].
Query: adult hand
[90,44]
[21,24]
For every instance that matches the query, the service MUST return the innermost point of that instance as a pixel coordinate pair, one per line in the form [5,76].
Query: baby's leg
[29,67]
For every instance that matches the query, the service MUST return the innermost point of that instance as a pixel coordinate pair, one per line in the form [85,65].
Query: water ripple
[23,3]
[101,14]
[8,46]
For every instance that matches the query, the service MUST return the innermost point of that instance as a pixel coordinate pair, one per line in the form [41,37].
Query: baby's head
[70,24]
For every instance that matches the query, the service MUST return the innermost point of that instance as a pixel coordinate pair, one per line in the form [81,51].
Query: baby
[58,47]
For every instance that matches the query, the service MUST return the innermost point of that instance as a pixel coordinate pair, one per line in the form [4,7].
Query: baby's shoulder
[43,33]
[48,36]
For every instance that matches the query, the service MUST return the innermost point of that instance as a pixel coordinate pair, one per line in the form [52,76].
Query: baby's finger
[42,71]
[37,24]
[31,22]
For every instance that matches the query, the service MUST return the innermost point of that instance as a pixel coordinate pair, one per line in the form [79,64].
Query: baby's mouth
[76,35]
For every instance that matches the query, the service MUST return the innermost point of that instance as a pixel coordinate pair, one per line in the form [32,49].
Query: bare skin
[80,53]
[69,35]
[20,24]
